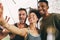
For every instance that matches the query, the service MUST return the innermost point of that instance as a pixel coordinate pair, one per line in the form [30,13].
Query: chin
[31,22]
[22,22]
[42,13]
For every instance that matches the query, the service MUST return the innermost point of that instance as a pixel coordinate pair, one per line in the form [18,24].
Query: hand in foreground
[7,19]
[2,21]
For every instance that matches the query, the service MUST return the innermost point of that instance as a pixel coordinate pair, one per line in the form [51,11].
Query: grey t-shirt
[31,37]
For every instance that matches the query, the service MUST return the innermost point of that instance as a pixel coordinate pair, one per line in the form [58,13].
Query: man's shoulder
[55,14]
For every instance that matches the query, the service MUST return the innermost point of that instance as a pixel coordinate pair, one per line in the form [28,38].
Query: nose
[44,9]
[21,16]
[31,16]
[40,8]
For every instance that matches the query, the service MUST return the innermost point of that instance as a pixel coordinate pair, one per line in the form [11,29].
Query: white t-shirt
[50,36]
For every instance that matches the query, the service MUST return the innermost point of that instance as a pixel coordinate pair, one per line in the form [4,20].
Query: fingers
[7,18]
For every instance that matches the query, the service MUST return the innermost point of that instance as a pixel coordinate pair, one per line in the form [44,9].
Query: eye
[23,14]
[19,14]
[32,15]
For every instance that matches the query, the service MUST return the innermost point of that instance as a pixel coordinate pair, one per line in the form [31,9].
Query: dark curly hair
[43,1]
[36,12]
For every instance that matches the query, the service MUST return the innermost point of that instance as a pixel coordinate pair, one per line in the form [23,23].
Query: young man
[22,23]
[49,20]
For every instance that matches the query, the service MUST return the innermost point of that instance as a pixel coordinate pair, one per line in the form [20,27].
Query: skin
[4,32]
[22,16]
[24,31]
[1,10]
[43,9]
[22,19]
[51,30]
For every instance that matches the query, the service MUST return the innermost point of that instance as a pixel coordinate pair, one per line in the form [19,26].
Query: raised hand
[7,18]
[1,14]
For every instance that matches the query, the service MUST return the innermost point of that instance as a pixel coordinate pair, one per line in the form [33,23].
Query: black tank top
[18,37]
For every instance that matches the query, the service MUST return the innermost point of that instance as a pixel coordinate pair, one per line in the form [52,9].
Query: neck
[21,25]
[46,14]
[33,26]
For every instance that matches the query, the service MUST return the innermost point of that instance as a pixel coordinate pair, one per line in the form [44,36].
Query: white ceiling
[11,7]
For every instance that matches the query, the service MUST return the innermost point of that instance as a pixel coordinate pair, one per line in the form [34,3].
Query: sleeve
[57,24]
[57,21]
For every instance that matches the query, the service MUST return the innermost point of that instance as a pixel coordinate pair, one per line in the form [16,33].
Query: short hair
[22,9]
[43,1]
[36,12]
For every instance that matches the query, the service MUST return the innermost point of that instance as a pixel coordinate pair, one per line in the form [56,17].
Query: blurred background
[11,7]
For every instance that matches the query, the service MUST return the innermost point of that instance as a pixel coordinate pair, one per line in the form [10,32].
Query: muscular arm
[16,30]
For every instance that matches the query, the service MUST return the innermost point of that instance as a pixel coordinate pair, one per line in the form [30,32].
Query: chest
[49,21]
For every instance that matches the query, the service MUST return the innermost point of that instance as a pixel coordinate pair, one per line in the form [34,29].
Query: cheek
[45,8]
[1,9]
[19,17]
[24,17]
[35,19]
[1,13]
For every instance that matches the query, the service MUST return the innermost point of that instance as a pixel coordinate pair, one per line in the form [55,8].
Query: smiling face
[32,18]
[43,8]
[22,16]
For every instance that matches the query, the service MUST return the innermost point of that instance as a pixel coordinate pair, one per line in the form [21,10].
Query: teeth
[21,20]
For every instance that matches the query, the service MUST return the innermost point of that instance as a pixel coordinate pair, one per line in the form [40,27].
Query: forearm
[14,29]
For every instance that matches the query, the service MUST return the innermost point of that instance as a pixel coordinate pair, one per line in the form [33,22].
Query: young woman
[30,33]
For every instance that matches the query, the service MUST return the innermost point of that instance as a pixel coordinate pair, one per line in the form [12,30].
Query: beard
[22,20]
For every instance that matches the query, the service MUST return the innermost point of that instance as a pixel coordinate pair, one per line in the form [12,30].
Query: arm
[57,21]
[2,29]
[14,29]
